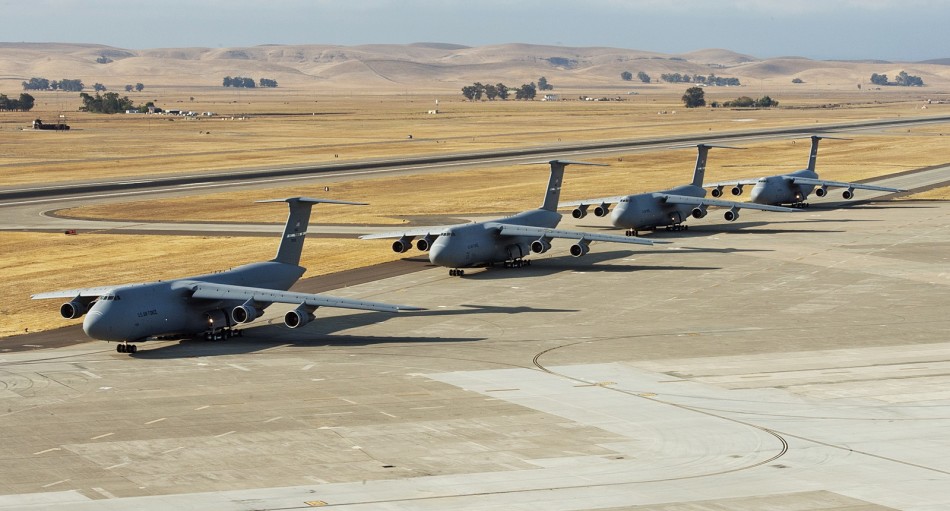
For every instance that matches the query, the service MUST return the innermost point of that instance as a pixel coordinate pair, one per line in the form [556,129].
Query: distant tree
[108,103]
[694,97]
[69,85]
[24,104]
[139,87]
[626,76]
[491,92]
[643,77]
[765,102]
[473,92]
[36,84]
[128,88]
[907,80]
[544,85]
[527,91]
[103,59]
[267,82]
[98,87]
[502,90]
[798,80]
[228,81]
[877,79]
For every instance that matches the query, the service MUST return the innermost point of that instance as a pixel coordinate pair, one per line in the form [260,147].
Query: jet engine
[716,192]
[580,248]
[731,215]
[425,243]
[580,211]
[699,212]
[602,210]
[245,313]
[847,194]
[821,191]
[402,244]
[540,246]
[73,309]
[298,317]
[737,190]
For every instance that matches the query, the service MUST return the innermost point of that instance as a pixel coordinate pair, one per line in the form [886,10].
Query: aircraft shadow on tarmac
[322,332]
[588,263]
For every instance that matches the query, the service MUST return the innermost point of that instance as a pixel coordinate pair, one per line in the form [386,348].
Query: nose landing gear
[126,348]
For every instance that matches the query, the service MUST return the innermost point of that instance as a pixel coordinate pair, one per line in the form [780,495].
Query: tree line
[718,81]
[477,90]
[44,84]
[248,83]
[696,97]
[23,104]
[903,80]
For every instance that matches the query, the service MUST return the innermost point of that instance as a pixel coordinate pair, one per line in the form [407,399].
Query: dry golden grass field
[285,127]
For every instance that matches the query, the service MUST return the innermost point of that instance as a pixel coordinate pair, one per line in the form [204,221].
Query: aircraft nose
[441,253]
[618,214]
[96,326]
[758,195]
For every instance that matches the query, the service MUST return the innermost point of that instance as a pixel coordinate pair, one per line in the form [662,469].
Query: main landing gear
[456,272]
[799,205]
[126,348]
[677,227]
[517,263]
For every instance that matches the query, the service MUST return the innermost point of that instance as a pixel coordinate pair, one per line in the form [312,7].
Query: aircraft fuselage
[138,311]
[778,190]
[479,244]
[647,210]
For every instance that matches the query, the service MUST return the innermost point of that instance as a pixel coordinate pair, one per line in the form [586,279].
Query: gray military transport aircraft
[209,305]
[669,208]
[793,188]
[506,240]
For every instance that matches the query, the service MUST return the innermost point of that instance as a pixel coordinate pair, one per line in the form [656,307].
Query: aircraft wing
[733,183]
[73,293]
[542,232]
[415,231]
[212,291]
[702,201]
[839,184]
[590,202]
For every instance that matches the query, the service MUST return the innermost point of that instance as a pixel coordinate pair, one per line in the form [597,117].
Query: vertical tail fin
[813,156]
[291,244]
[553,194]
[699,173]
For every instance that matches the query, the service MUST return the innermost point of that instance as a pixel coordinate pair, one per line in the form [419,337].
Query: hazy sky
[822,29]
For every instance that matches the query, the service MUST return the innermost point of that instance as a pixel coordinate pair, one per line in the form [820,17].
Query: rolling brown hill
[422,66]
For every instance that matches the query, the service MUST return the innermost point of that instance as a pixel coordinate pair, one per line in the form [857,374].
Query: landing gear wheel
[120,348]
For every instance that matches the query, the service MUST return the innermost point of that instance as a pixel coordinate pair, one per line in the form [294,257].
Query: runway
[781,361]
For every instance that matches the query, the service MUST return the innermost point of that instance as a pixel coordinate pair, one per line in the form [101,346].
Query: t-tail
[291,244]
[553,192]
[699,173]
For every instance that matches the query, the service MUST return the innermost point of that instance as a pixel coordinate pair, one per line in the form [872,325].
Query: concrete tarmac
[796,361]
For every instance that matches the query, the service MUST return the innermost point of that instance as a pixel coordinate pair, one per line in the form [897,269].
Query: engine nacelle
[73,309]
[580,211]
[821,191]
[580,248]
[737,190]
[847,194]
[699,212]
[731,215]
[245,313]
[540,246]
[425,243]
[602,210]
[716,192]
[402,244]
[298,317]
